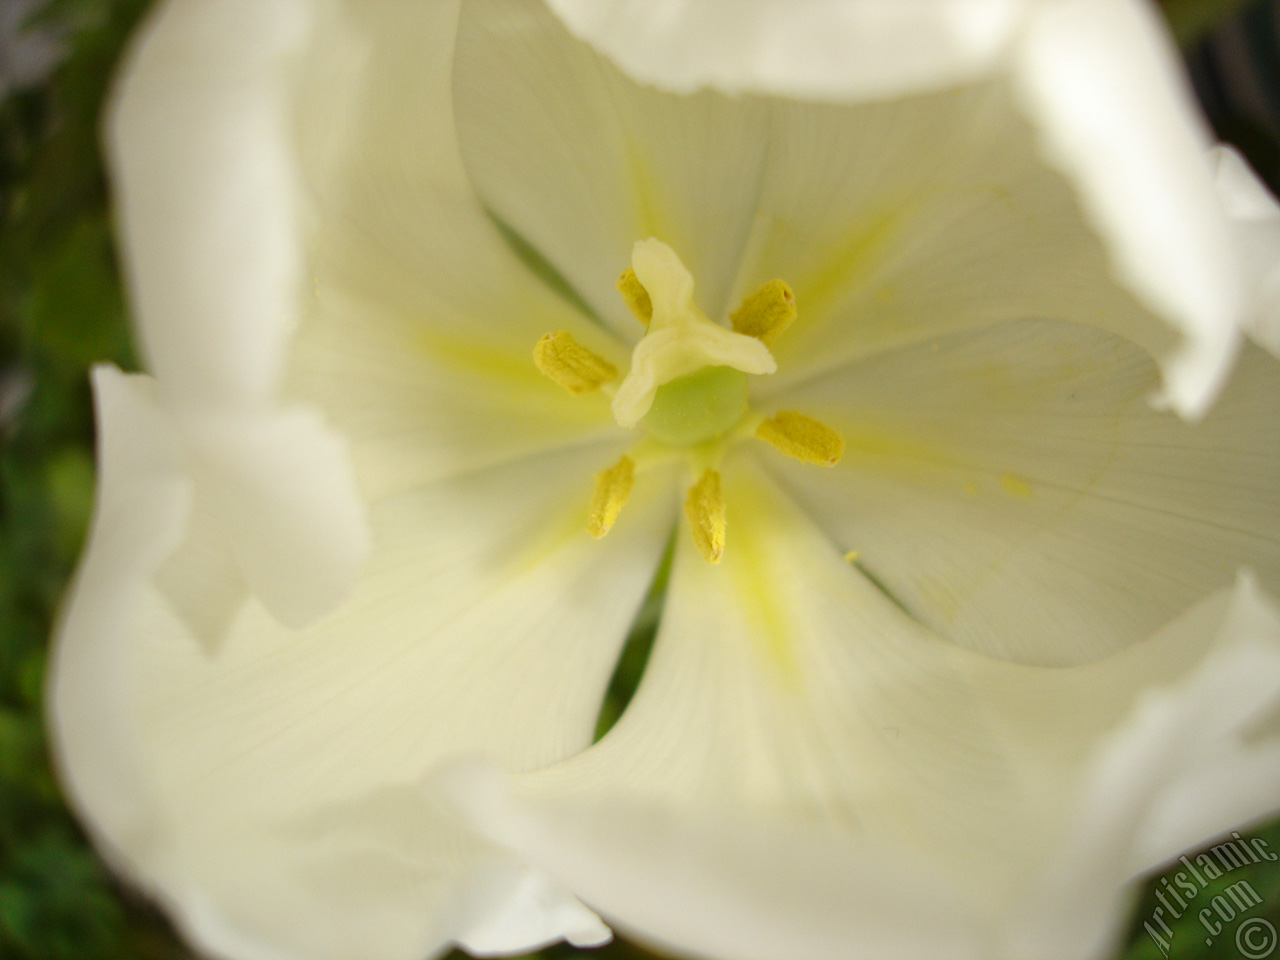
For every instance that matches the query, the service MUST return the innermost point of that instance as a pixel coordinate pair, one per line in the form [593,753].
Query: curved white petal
[1191,759]
[1191,762]
[583,162]
[1254,216]
[142,501]
[425,395]
[1104,86]
[393,218]
[799,743]
[277,784]
[901,221]
[535,911]
[419,326]
[727,885]
[281,484]
[871,48]
[207,187]
[1014,490]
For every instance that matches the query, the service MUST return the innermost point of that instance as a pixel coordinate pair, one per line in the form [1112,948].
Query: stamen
[634,295]
[766,313]
[613,487]
[802,437]
[680,339]
[704,506]
[570,364]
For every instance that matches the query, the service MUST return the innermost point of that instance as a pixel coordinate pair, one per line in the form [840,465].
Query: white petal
[806,771]
[395,222]
[1241,192]
[1189,761]
[583,162]
[1196,761]
[395,875]
[275,512]
[1013,489]
[536,911]
[728,885]
[872,48]
[143,497]
[206,184]
[418,331]
[783,682]
[280,775]
[201,577]
[1104,86]
[281,484]
[424,395]
[900,221]
[205,169]
[1254,216]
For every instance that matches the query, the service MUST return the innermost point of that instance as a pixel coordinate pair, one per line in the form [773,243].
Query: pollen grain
[634,295]
[613,487]
[766,313]
[704,507]
[802,437]
[560,357]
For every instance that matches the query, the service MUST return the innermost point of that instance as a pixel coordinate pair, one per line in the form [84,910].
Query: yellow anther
[570,364]
[802,437]
[704,506]
[635,296]
[766,313]
[613,487]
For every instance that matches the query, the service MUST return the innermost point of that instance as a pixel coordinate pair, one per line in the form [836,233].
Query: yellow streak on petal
[802,437]
[769,608]
[648,214]
[613,487]
[704,506]
[570,364]
[855,259]
[635,296]
[1015,486]
[480,358]
[766,313]
[851,556]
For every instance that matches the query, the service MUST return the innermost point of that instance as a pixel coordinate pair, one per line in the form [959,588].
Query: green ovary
[697,407]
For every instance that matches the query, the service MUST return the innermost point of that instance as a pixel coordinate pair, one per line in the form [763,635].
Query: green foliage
[635,652]
[1191,19]
[60,310]
[1179,917]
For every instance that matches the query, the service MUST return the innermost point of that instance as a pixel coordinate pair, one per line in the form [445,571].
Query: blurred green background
[61,310]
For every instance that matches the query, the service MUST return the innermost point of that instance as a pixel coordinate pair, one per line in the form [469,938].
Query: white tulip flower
[911,330]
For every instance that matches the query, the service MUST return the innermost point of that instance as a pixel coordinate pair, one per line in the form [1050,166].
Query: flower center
[688,387]
[680,342]
[697,407]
